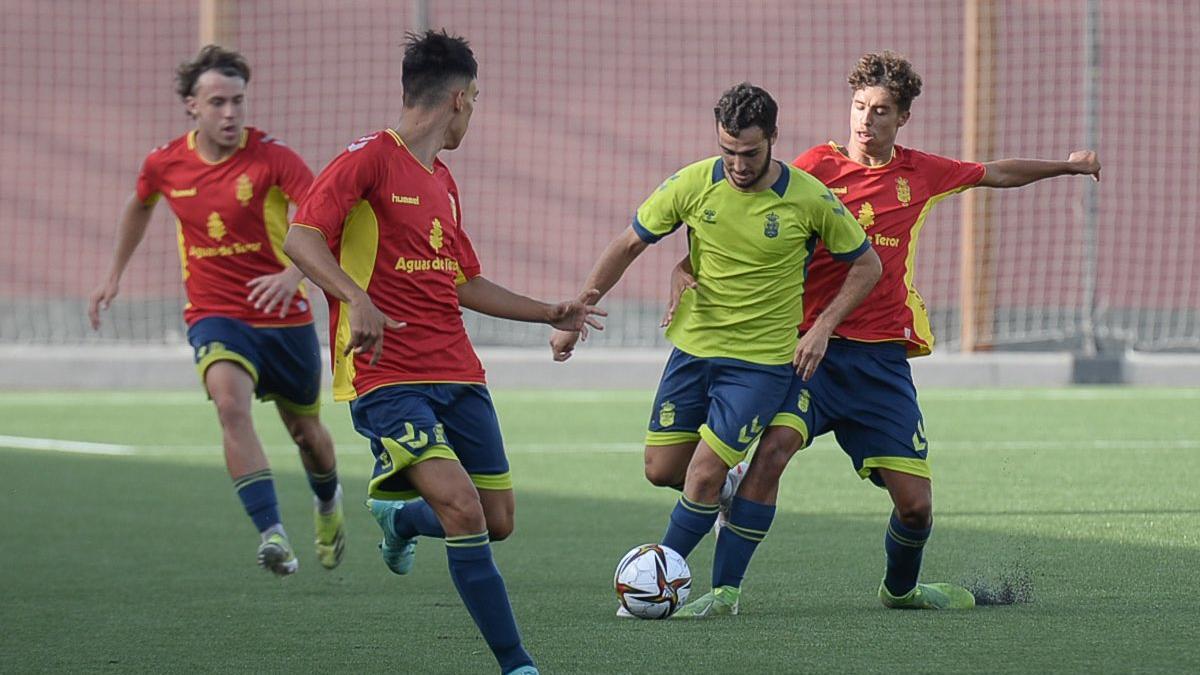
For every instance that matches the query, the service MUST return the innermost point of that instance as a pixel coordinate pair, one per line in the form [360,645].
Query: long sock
[324,485]
[417,518]
[690,521]
[904,547]
[257,492]
[747,526]
[482,590]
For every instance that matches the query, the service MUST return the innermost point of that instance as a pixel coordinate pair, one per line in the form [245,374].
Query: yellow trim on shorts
[303,409]
[656,438]
[226,355]
[493,481]
[915,467]
[792,422]
[727,454]
[402,458]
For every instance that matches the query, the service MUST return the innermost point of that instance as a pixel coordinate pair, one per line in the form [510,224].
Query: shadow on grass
[137,565]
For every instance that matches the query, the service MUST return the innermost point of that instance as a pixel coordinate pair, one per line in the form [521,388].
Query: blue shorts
[863,392]
[285,363]
[727,402]
[410,423]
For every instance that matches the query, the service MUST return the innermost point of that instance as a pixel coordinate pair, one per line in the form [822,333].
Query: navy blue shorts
[410,423]
[727,402]
[284,362]
[863,392]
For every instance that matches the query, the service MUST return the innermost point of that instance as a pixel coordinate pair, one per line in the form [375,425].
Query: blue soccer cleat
[397,551]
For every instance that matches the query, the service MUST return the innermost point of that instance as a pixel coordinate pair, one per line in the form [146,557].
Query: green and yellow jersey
[749,253]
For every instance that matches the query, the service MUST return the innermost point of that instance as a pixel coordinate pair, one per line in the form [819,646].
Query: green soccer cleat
[721,601]
[275,554]
[929,596]
[397,551]
[331,533]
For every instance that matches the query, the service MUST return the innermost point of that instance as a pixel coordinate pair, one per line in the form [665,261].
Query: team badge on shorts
[666,414]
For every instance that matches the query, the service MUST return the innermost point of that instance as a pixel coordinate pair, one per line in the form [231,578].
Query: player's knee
[772,457]
[459,512]
[915,511]
[663,474]
[232,412]
[500,528]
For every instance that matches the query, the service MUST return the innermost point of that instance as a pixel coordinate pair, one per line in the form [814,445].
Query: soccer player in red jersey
[390,212]
[248,319]
[863,390]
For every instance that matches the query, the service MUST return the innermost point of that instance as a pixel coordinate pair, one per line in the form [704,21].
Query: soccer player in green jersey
[863,390]
[752,224]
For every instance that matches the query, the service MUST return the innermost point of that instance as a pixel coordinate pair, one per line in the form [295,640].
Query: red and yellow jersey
[395,227]
[891,203]
[231,218]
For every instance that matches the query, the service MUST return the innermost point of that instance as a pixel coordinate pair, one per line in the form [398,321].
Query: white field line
[84,447]
[555,397]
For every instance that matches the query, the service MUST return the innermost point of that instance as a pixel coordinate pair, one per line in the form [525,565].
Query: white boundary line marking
[56,445]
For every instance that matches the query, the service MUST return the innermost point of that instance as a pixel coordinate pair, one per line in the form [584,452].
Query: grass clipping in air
[1006,587]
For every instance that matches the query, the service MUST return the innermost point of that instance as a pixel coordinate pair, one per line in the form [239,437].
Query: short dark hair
[433,60]
[743,106]
[888,70]
[211,57]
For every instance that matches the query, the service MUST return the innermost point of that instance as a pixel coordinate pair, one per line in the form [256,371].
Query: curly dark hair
[433,60]
[743,106]
[211,57]
[888,70]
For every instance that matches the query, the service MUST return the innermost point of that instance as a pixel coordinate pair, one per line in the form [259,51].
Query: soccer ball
[652,581]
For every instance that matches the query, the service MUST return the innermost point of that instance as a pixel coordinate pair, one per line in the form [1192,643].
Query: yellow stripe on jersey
[182,249]
[914,301]
[275,216]
[360,243]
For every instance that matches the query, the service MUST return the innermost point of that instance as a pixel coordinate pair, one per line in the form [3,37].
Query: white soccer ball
[652,581]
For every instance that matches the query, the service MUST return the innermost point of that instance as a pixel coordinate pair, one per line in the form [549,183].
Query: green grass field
[143,561]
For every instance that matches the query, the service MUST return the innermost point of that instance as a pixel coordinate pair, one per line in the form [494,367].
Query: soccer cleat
[397,551]
[525,670]
[331,532]
[929,596]
[623,613]
[732,480]
[721,601]
[275,554]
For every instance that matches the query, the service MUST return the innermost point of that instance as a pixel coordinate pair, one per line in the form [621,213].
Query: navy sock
[689,523]
[904,547]
[257,492]
[747,526]
[482,590]
[324,485]
[417,518]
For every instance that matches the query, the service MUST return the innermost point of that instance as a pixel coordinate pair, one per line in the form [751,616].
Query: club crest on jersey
[244,189]
[216,226]
[866,215]
[435,235]
[666,414]
[709,216]
[771,226]
[903,192]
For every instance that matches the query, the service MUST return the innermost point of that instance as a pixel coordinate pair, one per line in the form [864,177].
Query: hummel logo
[401,199]
[361,143]
[838,190]
[189,192]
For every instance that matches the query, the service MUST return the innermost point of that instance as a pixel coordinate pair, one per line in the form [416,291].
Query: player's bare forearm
[309,253]
[483,296]
[616,258]
[130,231]
[1010,173]
[862,277]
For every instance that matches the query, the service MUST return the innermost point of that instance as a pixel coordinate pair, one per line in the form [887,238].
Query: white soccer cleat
[732,480]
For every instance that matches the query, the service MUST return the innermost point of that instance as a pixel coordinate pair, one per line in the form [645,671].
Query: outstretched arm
[1009,173]
[130,232]
[481,295]
[308,251]
[616,258]
[861,278]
